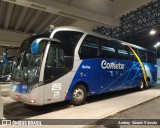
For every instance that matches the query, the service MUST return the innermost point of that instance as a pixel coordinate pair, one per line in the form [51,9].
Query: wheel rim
[147,83]
[78,94]
[142,85]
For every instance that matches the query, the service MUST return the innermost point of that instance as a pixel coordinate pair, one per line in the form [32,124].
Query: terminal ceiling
[21,18]
[30,16]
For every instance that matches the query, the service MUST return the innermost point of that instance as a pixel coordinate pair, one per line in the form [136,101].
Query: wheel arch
[73,85]
[148,78]
[82,83]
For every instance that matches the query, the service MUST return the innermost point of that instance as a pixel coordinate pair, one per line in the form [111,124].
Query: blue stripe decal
[118,78]
[106,75]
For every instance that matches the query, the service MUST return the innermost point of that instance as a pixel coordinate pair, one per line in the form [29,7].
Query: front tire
[79,95]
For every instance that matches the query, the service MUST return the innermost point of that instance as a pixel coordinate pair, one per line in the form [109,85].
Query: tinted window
[151,58]
[123,52]
[132,56]
[108,49]
[142,55]
[90,48]
[54,63]
[55,57]
[69,41]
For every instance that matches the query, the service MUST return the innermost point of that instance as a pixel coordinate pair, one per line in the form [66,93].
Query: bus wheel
[141,85]
[147,83]
[79,95]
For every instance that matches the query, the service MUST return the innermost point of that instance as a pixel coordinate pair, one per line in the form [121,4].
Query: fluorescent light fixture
[152,32]
[156,45]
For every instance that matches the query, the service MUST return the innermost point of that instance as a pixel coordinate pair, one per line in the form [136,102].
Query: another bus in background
[6,64]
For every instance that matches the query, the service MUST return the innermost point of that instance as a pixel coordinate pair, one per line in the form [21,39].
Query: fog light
[33,101]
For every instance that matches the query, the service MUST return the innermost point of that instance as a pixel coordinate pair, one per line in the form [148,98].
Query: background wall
[121,7]
[11,38]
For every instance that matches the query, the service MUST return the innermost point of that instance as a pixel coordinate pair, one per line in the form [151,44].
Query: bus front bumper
[26,98]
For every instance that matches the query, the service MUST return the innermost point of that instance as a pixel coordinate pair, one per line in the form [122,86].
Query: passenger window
[123,52]
[151,57]
[142,55]
[90,48]
[69,41]
[131,54]
[154,59]
[108,49]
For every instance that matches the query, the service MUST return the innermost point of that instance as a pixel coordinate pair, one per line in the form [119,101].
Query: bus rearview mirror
[34,47]
[4,56]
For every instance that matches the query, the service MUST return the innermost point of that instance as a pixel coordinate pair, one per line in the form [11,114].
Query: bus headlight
[35,86]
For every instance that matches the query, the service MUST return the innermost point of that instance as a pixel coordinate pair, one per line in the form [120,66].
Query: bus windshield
[26,67]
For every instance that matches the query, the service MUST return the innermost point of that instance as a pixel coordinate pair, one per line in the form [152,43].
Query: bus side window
[151,58]
[154,59]
[108,49]
[69,40]
[142,55]
[123,52]
[131,55]
[90,48]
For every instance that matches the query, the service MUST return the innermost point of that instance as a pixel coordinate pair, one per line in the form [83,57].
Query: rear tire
[147,84]
[141,85]
[79,95]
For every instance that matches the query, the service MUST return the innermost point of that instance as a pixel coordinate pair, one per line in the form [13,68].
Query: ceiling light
[158,44]
[152,32]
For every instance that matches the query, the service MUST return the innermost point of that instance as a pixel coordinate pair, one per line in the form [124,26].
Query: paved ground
[96,107]
[148,110]
[4,89]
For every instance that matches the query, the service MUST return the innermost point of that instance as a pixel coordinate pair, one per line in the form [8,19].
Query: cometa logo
[105,65]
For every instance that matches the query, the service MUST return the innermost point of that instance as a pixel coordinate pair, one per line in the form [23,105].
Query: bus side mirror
[34,47]
[4,56]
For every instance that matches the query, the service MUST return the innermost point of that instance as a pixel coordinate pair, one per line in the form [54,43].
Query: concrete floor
[4,89]
[148,110]
[97,107]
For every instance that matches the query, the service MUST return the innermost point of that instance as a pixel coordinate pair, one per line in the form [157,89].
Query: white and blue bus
[69,64]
